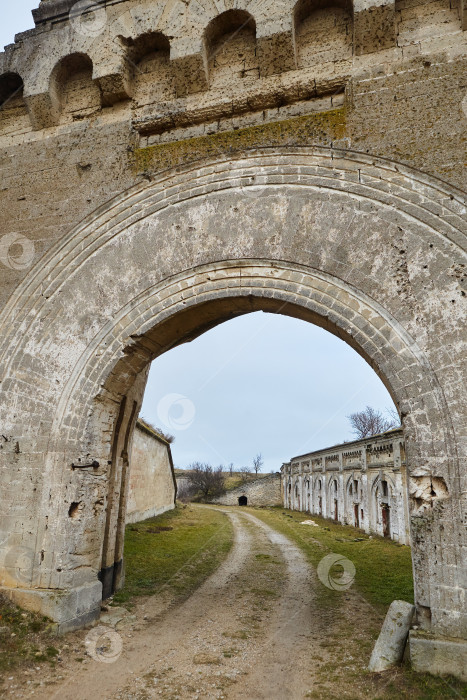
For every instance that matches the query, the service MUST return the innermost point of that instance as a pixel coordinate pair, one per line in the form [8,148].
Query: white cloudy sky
[260,383]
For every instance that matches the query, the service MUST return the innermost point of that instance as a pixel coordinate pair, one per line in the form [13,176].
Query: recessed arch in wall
[230,45]
[323,32]
[74,92]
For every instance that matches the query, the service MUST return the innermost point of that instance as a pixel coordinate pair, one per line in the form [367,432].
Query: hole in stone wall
[74,510]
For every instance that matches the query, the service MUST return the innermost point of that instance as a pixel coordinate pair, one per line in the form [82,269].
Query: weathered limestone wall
[163,170]
[361,483]
[265,491]
[152,486]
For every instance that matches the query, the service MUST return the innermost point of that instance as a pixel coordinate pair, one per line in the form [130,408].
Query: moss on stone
[321,128]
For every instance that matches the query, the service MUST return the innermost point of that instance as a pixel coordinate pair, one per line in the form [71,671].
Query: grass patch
[25,638]
[383,574]
[177,550]
[383,567]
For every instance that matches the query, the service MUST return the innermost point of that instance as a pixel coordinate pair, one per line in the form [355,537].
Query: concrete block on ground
[390,645]
[438,655]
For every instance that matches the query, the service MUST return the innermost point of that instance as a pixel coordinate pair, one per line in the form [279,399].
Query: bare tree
[370,422]
[394,416]
[207,482]
[258,462]
[245,473]
[231,466]
[185,491]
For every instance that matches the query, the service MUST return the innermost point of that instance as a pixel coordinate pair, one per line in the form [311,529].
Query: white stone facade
[361,483]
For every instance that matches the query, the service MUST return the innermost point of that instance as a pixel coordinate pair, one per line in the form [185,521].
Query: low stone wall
[264,491]
[152,487]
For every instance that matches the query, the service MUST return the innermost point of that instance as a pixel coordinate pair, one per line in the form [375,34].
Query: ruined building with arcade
[361,483]
[167,165]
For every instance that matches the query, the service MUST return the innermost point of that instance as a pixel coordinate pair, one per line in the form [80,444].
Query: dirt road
[245,632]
[253,630]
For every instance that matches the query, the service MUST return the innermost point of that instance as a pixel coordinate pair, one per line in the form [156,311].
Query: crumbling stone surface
[159,177]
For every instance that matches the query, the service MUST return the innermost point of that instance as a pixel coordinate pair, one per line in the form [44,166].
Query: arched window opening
[149,58]
[230,43]
[13,113]
[11,91]
[323,32]
[76,92]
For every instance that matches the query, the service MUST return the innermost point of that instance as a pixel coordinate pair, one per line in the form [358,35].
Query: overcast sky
[15,17]
[260,383]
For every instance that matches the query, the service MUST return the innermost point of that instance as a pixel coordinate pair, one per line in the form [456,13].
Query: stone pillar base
[69,609]
[441,656]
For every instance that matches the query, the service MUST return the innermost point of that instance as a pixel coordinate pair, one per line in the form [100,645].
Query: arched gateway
[368,248]
[166,261]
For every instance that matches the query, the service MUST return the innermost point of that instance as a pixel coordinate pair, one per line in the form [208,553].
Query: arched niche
[74,92]
[230,46]
[323,31]
[150,68]
[13,113]
[434,19]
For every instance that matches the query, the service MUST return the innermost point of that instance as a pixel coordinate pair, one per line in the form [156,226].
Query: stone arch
[319,496]
[334,511]
[13,112]
[230,45]
[427,17]
[378,500]
[297,494]
[118,291]
[307,494]
[353,500]
[323,31]
[150,68]
[74,93]
[11,89]
[376,483]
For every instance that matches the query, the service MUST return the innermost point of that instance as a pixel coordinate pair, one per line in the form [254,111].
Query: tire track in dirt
[248,631]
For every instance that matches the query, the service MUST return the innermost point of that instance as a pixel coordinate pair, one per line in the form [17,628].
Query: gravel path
[250,631]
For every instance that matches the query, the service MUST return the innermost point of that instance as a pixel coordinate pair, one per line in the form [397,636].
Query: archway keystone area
[148,195]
